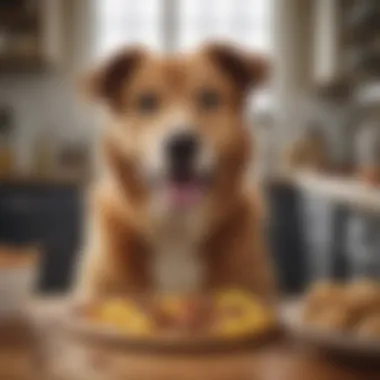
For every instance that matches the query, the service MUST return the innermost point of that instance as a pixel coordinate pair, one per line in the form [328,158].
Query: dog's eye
[148,103]
[208,99]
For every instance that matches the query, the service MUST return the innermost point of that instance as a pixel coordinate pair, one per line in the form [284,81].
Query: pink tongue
[184,195]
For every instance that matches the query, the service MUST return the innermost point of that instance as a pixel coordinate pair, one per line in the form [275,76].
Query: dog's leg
[239,257]
[112,261]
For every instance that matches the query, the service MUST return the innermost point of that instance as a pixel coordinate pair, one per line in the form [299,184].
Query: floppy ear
[105,84]
[245,69]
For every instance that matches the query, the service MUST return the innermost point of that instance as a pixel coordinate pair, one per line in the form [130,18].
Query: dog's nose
[182,147]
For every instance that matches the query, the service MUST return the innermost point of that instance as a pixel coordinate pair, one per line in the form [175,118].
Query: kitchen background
[316,123]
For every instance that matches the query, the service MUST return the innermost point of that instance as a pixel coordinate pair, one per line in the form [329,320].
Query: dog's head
[177,131]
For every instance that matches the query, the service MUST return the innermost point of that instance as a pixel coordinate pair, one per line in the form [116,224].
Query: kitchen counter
[342,190]
[278,360]
[17,360]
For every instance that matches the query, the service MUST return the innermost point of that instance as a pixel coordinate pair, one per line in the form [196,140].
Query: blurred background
[316,124]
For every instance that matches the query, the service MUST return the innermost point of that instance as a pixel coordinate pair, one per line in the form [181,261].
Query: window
[243,21]
[182,24]
[121,22]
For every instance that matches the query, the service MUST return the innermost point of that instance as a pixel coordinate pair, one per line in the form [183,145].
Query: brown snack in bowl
[321,296]
[362,297]
[334,318]
[369,327]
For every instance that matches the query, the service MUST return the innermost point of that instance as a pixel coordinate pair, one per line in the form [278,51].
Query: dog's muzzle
[181,155]
[186,181]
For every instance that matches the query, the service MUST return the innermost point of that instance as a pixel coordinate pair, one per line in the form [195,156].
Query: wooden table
[279,360]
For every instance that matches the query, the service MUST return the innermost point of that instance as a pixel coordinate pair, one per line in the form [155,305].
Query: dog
[171,211]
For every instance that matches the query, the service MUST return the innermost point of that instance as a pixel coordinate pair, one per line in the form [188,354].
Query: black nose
[182,148]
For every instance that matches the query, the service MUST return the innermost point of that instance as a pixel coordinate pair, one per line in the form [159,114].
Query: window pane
[244,21]
[122,22]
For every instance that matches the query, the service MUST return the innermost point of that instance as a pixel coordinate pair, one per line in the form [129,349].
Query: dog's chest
[176,263]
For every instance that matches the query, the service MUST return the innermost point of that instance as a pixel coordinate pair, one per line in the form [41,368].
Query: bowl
[341,344]
[70,346]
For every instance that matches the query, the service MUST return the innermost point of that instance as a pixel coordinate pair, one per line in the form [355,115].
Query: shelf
[18,64]
[18,19]
[53,180]
[340,190]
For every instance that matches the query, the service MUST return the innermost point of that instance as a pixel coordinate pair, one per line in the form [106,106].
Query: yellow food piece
[232,312]
[125,316]
[233,297]
[116,309]
[254,320]
[139,325]
[172,304]
[251,317]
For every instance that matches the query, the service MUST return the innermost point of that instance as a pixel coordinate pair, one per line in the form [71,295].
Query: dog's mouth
[187,189]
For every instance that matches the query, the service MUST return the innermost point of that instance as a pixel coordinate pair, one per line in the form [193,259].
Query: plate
[334,342]
[81,328]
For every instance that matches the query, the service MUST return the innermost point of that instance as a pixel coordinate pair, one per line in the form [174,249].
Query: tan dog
[171,213]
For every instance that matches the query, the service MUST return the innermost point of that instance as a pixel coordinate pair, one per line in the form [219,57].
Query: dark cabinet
[49,215]
[307,236]
[287,242]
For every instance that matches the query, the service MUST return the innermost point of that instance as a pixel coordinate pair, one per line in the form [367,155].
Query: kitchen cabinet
[50,216]
[31,34]
[285,236]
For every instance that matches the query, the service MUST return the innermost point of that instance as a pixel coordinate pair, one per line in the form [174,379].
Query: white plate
[337,342]
[79,327]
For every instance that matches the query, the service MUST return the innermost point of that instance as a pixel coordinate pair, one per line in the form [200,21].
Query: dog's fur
[134,243]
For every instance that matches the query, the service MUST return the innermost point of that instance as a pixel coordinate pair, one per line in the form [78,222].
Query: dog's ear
[245,69]
[106,83]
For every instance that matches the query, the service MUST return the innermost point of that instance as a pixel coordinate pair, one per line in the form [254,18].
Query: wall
[44,102]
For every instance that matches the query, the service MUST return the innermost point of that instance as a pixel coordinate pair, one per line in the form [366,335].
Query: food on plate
[239,313]
[124,315]
[350,308]
[228,313]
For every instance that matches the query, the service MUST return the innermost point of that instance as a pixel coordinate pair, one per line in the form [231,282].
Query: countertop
[280,359]
[342,190]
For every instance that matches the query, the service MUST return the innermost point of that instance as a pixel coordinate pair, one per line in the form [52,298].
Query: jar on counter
[309,152]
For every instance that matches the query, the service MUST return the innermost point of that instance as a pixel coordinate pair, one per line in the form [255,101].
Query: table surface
[277,360]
